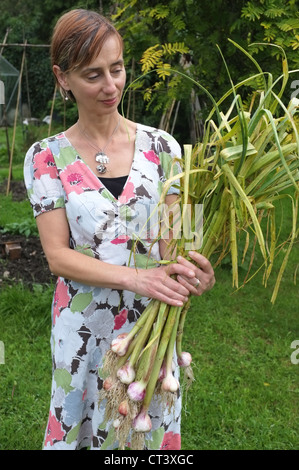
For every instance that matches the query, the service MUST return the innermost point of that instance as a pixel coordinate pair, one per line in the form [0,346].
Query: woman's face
[98,87]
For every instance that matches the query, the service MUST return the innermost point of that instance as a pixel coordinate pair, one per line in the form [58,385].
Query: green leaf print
[59,203]
[63,379]
[107,195]
[167,163]
[72,435]
[125,213]
[143,261]
[156,439]
[110,439]
[85,249]
[66,156]
[80,302]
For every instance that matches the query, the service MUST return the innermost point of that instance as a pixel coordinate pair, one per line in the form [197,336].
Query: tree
[201,26]
[144,24]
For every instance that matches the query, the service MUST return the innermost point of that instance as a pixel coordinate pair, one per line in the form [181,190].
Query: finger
[168,289]
[174,287]
[202,262]
[195,287]
[194,282]
[172,296]
[183,268]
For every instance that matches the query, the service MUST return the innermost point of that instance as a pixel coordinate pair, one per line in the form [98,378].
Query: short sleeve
[44,188]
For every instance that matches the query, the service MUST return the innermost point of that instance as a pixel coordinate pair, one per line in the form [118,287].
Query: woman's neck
[99,128]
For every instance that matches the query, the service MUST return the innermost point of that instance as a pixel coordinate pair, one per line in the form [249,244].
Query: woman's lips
[110,102]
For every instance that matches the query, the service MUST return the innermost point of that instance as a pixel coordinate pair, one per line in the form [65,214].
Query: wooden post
[52,110]
[15,123]
[4,105]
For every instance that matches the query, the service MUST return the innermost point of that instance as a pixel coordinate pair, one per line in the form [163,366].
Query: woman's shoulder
[47,144]
[160,139]
[152,130]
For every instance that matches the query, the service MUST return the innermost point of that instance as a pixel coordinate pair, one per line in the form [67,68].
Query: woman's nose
[109,86]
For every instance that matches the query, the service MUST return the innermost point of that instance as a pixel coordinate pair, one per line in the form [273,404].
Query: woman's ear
[61,77]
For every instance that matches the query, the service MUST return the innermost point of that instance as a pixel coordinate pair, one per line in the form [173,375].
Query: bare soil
[30,266]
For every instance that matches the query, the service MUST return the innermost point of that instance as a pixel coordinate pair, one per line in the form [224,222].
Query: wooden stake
[24,45]
[15,124]
[4,119]
[52,110]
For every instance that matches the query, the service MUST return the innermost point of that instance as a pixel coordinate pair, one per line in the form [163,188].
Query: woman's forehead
[111,54]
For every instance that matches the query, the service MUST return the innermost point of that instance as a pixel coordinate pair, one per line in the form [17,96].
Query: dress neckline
[99,181]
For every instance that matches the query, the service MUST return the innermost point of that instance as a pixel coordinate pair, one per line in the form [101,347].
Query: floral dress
[85,319]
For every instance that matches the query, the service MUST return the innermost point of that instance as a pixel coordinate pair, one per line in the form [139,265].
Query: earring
[64,94]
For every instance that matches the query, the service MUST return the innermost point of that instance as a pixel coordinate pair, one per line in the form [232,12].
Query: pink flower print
[120,319]
[61,299]
[54,431]
[128,193]
[44,164]
[73,177]
[152,157]
[121,239]
[171,441]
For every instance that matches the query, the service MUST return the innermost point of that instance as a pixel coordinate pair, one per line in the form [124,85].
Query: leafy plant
[246,161]
[27,228]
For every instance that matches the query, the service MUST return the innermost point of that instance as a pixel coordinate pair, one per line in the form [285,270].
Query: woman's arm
[63,261]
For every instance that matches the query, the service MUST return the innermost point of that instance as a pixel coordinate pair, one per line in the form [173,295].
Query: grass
[12,212]
[26,374]
[246,391]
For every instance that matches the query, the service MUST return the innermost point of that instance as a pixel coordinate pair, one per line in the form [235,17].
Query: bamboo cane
[15,122]
[52,109]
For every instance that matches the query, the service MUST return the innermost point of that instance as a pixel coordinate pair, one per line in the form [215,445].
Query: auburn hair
[78,37]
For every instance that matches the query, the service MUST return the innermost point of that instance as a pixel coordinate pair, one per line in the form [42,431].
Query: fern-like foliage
[159,12]
[157,58]
[152,57]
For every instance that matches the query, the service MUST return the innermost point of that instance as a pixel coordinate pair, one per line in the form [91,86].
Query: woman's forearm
[84,269]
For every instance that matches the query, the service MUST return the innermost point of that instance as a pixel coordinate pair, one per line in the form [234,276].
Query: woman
[92,174]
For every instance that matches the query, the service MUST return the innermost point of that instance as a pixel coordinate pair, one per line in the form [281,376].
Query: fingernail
[191,253]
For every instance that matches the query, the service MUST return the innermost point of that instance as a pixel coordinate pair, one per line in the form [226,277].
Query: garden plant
[247,160]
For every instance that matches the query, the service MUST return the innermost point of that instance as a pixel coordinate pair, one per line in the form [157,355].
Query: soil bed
[31,266]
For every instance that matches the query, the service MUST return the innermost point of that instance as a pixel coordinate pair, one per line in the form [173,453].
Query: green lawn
[246,389]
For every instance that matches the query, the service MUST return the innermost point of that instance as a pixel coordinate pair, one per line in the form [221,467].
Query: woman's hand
[204,275]
[161,283]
